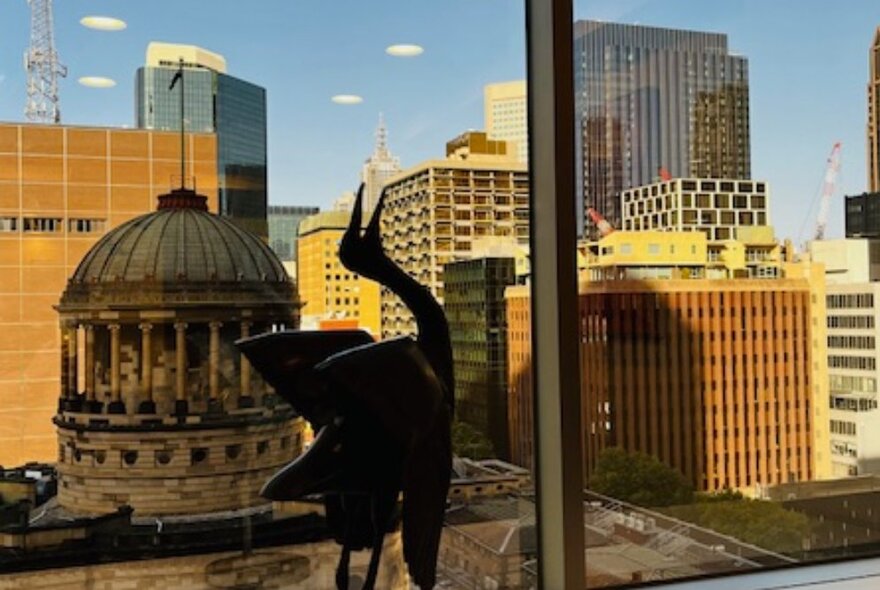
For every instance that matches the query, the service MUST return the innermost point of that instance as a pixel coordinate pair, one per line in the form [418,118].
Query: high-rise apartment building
[723,379]
[716,207]
[379,167]
[474,305]
[435,211]
[650,98]
[284,228]
[874,115]
[505,117]
[215,102]
[61,189]
[329,291]
[852,270]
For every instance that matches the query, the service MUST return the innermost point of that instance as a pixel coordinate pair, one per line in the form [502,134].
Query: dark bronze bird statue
[382,413]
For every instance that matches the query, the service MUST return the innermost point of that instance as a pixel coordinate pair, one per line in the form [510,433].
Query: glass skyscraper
[215,102]
[649,98]
[284,228]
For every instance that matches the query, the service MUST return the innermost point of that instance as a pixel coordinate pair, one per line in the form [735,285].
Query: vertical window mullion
[555,358]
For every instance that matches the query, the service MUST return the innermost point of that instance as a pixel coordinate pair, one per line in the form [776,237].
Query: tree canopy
[470,443]
[639,479]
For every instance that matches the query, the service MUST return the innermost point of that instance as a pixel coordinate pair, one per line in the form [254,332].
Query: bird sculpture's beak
[316,471]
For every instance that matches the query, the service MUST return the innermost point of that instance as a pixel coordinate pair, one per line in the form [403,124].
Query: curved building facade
[168,417]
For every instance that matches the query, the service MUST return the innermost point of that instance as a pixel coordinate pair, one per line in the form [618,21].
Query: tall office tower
[61,189]
[723,379]
[874,116]
[852,271]
[215,103]
[505,117]
[329,291]
[474,305]
[378,168]
[436,210]
[284,228]
[650,101]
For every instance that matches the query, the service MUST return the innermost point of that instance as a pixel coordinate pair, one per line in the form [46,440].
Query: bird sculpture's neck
[365,255]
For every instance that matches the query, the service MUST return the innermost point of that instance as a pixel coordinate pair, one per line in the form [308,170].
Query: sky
[807,59]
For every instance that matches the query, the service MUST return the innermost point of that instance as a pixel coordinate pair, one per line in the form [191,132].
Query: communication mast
[43,66]
[828,191]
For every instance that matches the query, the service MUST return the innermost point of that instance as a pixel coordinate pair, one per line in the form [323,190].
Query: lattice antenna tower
[43,66]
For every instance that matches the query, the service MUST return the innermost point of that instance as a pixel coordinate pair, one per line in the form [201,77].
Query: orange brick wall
[712,377]
[69,174]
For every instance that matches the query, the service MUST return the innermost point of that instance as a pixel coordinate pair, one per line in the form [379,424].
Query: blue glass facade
[648,98]
[233,109]
[284,229]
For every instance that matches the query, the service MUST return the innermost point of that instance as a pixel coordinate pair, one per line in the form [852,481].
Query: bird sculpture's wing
[285,358]
[390,381]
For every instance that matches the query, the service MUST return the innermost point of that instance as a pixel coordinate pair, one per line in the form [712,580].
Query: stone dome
[179,243]
[181,248]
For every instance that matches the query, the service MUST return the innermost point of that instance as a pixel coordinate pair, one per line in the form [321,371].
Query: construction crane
[601,223]
[828,186]
[43,66]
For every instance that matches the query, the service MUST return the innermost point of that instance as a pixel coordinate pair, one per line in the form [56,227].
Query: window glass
[140,245]
[728,389]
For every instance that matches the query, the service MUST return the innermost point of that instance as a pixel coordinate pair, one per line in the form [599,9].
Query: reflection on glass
[728,368]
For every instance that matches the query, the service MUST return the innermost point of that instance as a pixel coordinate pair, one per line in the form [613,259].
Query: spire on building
[379,167]
[381,149]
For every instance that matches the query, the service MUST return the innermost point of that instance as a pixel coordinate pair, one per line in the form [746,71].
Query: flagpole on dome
[179,76]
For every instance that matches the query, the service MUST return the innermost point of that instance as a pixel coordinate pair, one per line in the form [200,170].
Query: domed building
[169,418]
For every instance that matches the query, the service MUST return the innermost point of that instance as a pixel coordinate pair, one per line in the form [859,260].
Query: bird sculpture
[382,413]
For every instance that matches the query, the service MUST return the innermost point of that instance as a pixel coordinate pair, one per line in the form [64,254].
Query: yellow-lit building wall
[327,289]
[61,189]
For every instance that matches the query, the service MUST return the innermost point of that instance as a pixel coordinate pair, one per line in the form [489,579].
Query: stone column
[180,404]
[214,364]
[72,351]
[65,378]
[245,399]
[116,404]
[148,404]
[90,362]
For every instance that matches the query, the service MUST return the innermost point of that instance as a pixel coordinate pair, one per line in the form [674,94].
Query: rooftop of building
[755,253]
[324,221]
[161,54]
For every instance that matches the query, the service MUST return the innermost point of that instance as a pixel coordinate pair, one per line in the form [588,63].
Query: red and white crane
[828,191]
[601,223]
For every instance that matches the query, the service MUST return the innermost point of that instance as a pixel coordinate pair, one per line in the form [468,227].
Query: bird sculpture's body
[382,413]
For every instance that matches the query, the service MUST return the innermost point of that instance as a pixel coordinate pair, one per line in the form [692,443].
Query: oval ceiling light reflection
[405,50]
[97,82]
[347,99]
[103,23]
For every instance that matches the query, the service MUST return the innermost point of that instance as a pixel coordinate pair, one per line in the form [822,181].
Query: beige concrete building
[61,189]
[328,290]
[435,211]
[874,115]
[506,112]
[717,207]
[723,378]
[852,267]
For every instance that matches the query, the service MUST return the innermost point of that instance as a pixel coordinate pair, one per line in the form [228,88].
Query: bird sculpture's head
[362,252]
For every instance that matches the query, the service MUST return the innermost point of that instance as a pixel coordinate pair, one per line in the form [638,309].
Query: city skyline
[316,147]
